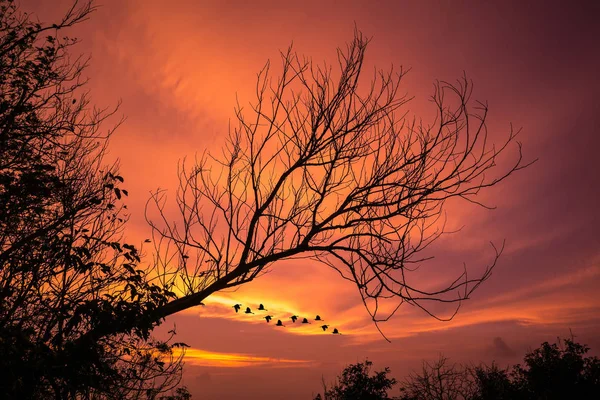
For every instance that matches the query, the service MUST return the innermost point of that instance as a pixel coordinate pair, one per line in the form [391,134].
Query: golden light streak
[218,306]
[199,357]
[515,306]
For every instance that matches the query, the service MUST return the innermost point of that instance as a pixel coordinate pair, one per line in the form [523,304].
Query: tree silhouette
[319,169]
[322,168]
[75,309]
[558,371]
[552,371]
[356,383]
[492,383]
[438,381]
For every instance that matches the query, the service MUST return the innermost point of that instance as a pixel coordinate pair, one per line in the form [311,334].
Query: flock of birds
[294,318]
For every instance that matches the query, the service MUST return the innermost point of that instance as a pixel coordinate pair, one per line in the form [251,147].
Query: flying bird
[324,327]
[305,321]
[336,332]
[262,308]
[279,323]
[294,318]
[248,311]
[268,318]
[318,318]
[237,307]
[202,304]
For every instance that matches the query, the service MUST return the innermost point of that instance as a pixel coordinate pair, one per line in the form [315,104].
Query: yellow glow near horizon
[201,357]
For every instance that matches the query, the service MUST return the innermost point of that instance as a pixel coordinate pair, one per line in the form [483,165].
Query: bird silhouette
[305,321]
[336,332]
[237,307]
[269,318]
[202,304]
[262,308]
[294,318]
[279,323]
[248,311]
[324,327]
[318,318]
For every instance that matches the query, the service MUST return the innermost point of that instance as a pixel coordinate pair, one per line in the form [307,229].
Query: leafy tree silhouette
[558,371]
[356,383]
[64,270]
[492,383]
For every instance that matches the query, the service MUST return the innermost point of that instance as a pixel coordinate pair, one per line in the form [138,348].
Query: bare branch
[325,168]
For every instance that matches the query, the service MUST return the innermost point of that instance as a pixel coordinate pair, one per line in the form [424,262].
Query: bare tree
[321,168]
[439,381]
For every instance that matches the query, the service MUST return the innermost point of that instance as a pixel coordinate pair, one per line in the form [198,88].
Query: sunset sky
[177,67]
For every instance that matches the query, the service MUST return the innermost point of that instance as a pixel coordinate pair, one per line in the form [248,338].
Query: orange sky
[177,67]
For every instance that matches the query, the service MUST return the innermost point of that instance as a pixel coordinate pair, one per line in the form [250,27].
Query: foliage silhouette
[75,308]
[356,383]
[321,168]
[492,383]
[558,371]
[550,372]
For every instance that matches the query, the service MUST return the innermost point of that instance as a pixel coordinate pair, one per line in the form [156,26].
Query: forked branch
[323,168]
